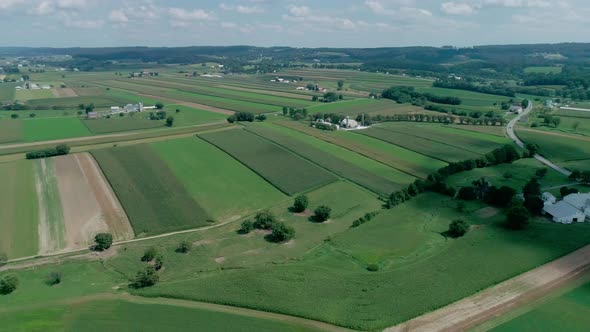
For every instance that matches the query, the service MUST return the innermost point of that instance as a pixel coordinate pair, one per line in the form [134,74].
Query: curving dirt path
[494,301]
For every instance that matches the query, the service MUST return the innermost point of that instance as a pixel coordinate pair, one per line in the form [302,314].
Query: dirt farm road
[481,307]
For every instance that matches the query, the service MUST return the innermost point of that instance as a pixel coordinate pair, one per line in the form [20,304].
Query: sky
[297,23]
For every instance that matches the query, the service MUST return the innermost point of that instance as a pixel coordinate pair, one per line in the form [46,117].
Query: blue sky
[299,23]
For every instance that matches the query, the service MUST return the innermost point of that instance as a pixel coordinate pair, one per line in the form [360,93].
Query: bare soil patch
[306,213]
[506,296]
[64,92]
[89,204]
[220,260]
[189,104]
[487,212]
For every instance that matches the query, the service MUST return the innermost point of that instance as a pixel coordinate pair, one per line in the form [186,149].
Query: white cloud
[118,16]
[520,3]
[454,8]
[8,4]
[84,24]
[190,15]
[299,10]
[242,9]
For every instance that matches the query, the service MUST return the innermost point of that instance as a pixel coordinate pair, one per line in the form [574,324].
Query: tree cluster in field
[564,191]
[60,150]
[436,182]
[300,204]
[323,126]
[457,228]
[366,218]
[328,117]
[265,220]
[295,113]
[551,120]
[321,214]
[169,121]
[582,176]
[407,94]
[8,284]
[482,190]
[245,117]
[329,97]
[103,241]
[493,89]
[149,275]
[159,115]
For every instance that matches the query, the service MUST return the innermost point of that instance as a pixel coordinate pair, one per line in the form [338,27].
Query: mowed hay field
[153,198]
[44,129]
[224,187]
[286,171]
[361,170]
[557,147]
[122,315]
[416,266]
[11,131]
[118,124]
[18,209]
[7,91]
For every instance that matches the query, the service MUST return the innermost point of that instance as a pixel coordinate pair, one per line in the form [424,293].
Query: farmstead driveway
[512,135]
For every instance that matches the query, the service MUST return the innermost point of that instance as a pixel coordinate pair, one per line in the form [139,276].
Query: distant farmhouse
[573,208]
[129,108]
[516,109]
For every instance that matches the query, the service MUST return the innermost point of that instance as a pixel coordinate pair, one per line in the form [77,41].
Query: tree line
[407,94]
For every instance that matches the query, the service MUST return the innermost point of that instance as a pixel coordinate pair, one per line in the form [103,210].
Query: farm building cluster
[32,86]
[129,108]
[346,124]
[573,208]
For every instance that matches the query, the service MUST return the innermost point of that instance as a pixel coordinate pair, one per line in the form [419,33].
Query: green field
[395,156]
[44,129]
[568,312]
[118,124]
[363,106]
[18,209]
[7,91]
[133,315]
[11,131]
[190,116]
[366,172]
[51,216]
[542,70]
[153,198]
[557,148]
[426,146]
[571,125]
[414,276]
[286,171]
[221,185]
[25,95]
[520,172]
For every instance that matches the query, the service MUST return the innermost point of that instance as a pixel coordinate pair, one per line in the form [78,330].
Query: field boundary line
[324,168]
[357,152]
[431,140]
[358,132]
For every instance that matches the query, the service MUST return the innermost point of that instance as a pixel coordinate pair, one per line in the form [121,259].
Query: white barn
[564,213]
[580,202]
[349,123]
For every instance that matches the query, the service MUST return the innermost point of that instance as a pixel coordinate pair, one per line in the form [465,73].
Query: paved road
[512,135]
